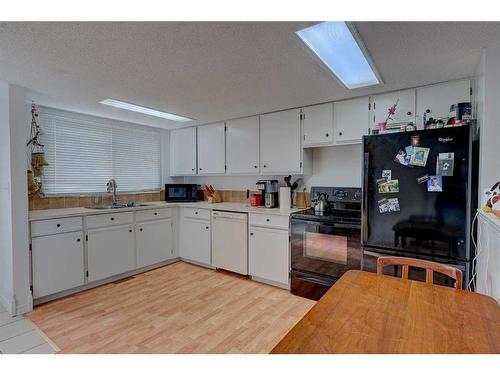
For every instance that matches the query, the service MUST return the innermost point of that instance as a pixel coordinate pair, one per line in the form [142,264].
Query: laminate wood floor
[179,308]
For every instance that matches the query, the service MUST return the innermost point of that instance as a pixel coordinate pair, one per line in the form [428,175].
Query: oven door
[324,249]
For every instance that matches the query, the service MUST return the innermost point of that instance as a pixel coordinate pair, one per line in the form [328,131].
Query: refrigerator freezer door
[429,223]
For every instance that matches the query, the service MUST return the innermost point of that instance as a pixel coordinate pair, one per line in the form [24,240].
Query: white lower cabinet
[111,251]
[268,254]
[194,241]
[57,263]
[154,242]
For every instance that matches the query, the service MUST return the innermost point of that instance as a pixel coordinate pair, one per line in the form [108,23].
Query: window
[84,152]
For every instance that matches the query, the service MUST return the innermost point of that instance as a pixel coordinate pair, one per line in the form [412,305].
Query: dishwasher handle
[234,216]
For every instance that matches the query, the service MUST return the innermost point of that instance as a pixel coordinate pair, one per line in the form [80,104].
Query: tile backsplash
[36,203]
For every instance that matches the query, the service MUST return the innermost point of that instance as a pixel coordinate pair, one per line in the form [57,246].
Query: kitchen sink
[112,207]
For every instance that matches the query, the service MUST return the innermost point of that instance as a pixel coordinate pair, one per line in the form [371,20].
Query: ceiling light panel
[343,53]
[144,110]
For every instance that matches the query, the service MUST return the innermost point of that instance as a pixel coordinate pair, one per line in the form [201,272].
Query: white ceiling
[222,70]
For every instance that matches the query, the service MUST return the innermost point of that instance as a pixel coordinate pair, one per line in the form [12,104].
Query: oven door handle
[313,280]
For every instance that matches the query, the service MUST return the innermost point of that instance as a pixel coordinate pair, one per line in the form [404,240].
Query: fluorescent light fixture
[339,47]
[144,110]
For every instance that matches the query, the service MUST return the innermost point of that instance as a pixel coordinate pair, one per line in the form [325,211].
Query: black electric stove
[324,245]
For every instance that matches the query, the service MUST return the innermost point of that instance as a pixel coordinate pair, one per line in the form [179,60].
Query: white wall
[14,252]
[6,279]
[331,166]
[488,74]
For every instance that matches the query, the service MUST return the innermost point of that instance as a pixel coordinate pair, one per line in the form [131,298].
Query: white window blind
[84,153]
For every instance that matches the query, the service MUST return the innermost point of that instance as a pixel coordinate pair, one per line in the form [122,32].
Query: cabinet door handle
[200,169]
[112,218]
[268,220]
[192,169]
[156,213]
[139,229]
[327,135]
[196,213]
[206,227]
[130,230]
[265,166]
[255,166]
[340,134]
[78,240]
[408,113]
[58,225]
[251,234]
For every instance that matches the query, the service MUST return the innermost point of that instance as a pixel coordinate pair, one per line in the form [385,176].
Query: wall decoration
[36,156]
[435,184]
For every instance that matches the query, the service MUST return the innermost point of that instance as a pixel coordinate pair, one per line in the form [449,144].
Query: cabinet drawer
[160,213]
[97,221]
[55,226]
[196,213]
[272,221]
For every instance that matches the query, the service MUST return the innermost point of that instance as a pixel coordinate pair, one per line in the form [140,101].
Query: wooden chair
[429,267]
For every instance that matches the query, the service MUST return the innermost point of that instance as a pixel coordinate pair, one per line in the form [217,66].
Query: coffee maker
[269,191]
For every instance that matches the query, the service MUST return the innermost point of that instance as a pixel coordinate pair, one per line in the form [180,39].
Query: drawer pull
[58,225]
[268,220]
[130,230]
[196,213]
[78,240]
[156,213]
[206,227]
[140,229]
[251,234]
[112,218]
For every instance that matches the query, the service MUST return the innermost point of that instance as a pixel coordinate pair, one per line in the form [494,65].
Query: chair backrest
[429,267]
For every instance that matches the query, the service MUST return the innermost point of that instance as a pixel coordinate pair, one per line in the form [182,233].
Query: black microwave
[181,192]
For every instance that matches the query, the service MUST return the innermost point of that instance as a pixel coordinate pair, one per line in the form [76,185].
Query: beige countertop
[224,206]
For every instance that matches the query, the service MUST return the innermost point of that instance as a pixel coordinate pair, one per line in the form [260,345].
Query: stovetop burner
[343,206]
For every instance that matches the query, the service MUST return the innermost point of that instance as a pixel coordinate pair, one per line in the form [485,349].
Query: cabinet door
[280,146]
[183,152]
[111,251]
[57,263]
[154,242]
[405,110]
[268,254]
[317,122]
[436,100]
[242,146]
[195,240]
[211,149]
[351,120]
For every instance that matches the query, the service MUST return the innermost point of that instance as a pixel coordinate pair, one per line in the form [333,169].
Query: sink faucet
[111,187]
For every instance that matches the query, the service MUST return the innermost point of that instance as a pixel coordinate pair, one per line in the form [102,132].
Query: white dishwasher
[230,241]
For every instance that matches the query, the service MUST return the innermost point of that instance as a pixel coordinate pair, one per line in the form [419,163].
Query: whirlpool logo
[445,140]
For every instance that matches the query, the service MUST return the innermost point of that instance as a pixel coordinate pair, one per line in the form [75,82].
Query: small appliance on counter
[269,192]
[181,192]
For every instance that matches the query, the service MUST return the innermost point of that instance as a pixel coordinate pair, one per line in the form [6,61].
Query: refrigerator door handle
[364,218]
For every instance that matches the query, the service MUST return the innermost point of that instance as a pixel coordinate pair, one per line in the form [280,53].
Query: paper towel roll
[285,198]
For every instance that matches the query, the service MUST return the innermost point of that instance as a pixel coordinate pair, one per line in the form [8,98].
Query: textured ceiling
[217,71]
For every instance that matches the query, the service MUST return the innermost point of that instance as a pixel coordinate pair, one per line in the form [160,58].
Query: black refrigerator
[419,197]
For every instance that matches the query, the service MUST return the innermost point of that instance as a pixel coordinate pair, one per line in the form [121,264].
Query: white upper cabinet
[242,146]
[351,120]
[280,142]
[183,152]
[211,149]
[405,110]
[436,100]
[317,122]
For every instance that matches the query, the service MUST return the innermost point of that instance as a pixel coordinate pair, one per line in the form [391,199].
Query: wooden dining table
[368,313]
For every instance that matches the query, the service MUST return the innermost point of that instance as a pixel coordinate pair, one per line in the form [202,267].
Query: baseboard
[269,282]
[8,304]
[26,308]
[94,284]
[197,263]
